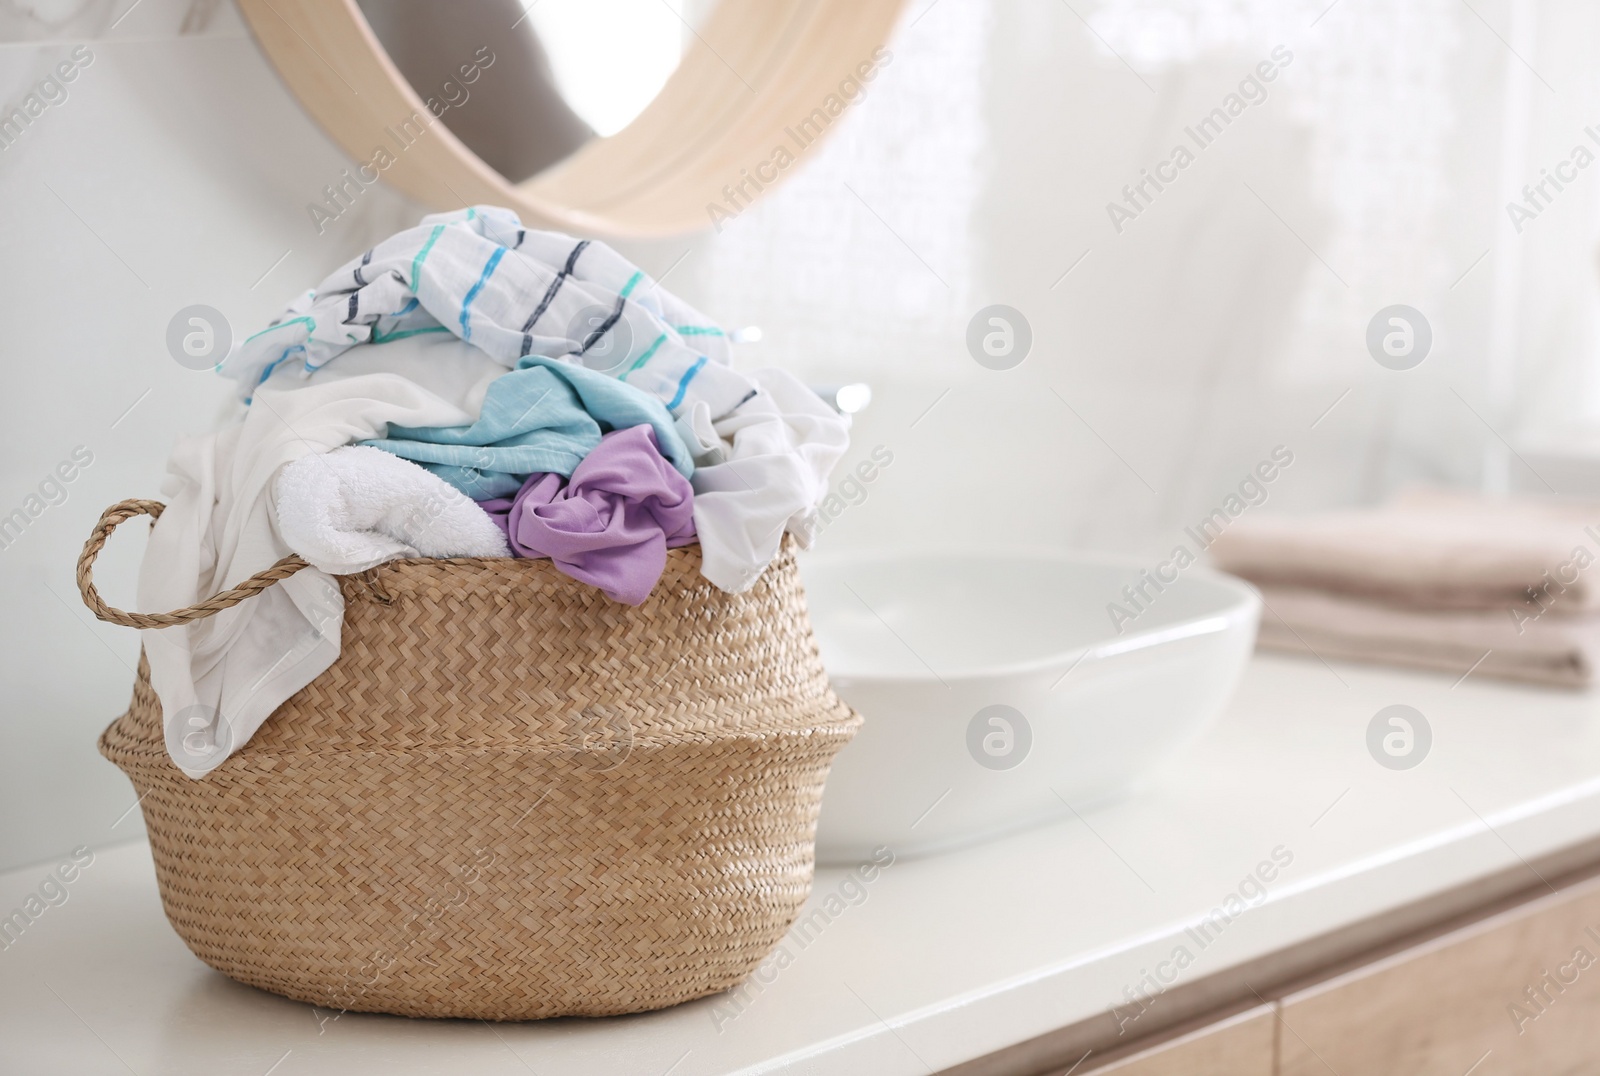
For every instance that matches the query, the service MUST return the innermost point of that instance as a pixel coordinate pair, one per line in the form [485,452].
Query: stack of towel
[467,388]
[1435,579]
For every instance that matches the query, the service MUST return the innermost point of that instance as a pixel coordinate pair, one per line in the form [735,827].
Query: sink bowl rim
[1241,607]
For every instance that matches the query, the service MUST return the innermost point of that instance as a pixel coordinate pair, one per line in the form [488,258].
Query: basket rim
[519,563]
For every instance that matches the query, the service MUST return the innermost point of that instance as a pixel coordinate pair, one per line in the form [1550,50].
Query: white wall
[175,172]
[1231,314]
[1223,321]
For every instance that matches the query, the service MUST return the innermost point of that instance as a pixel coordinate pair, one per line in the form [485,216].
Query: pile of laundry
[466,388]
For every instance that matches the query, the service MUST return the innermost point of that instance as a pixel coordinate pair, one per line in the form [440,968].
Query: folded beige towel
[1431,549]
[1548,650]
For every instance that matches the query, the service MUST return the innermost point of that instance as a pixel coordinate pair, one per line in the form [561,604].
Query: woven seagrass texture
[510,797]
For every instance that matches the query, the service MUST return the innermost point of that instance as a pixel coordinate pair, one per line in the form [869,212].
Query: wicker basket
[509,798]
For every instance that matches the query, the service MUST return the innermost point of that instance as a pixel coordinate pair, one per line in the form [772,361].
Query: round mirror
[608,117]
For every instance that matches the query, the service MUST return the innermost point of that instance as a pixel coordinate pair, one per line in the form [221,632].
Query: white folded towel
[356,507]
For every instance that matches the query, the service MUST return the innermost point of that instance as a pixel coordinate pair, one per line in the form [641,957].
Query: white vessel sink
[924,645]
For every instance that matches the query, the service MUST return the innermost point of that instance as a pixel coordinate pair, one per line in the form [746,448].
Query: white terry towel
[218,679]
[356,507]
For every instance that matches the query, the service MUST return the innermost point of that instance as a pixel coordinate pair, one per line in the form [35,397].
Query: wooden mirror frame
[757,69]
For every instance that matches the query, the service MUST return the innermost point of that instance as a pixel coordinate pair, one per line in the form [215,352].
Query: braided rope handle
[123,511]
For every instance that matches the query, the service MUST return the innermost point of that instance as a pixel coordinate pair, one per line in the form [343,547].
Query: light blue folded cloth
[544,416]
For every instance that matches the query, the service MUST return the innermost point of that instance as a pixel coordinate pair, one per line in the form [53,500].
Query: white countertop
[947,958]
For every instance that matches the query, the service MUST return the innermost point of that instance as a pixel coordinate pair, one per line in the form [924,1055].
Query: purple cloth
[612,523]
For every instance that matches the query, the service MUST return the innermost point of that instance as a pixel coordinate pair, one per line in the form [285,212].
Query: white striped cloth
[512,292]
